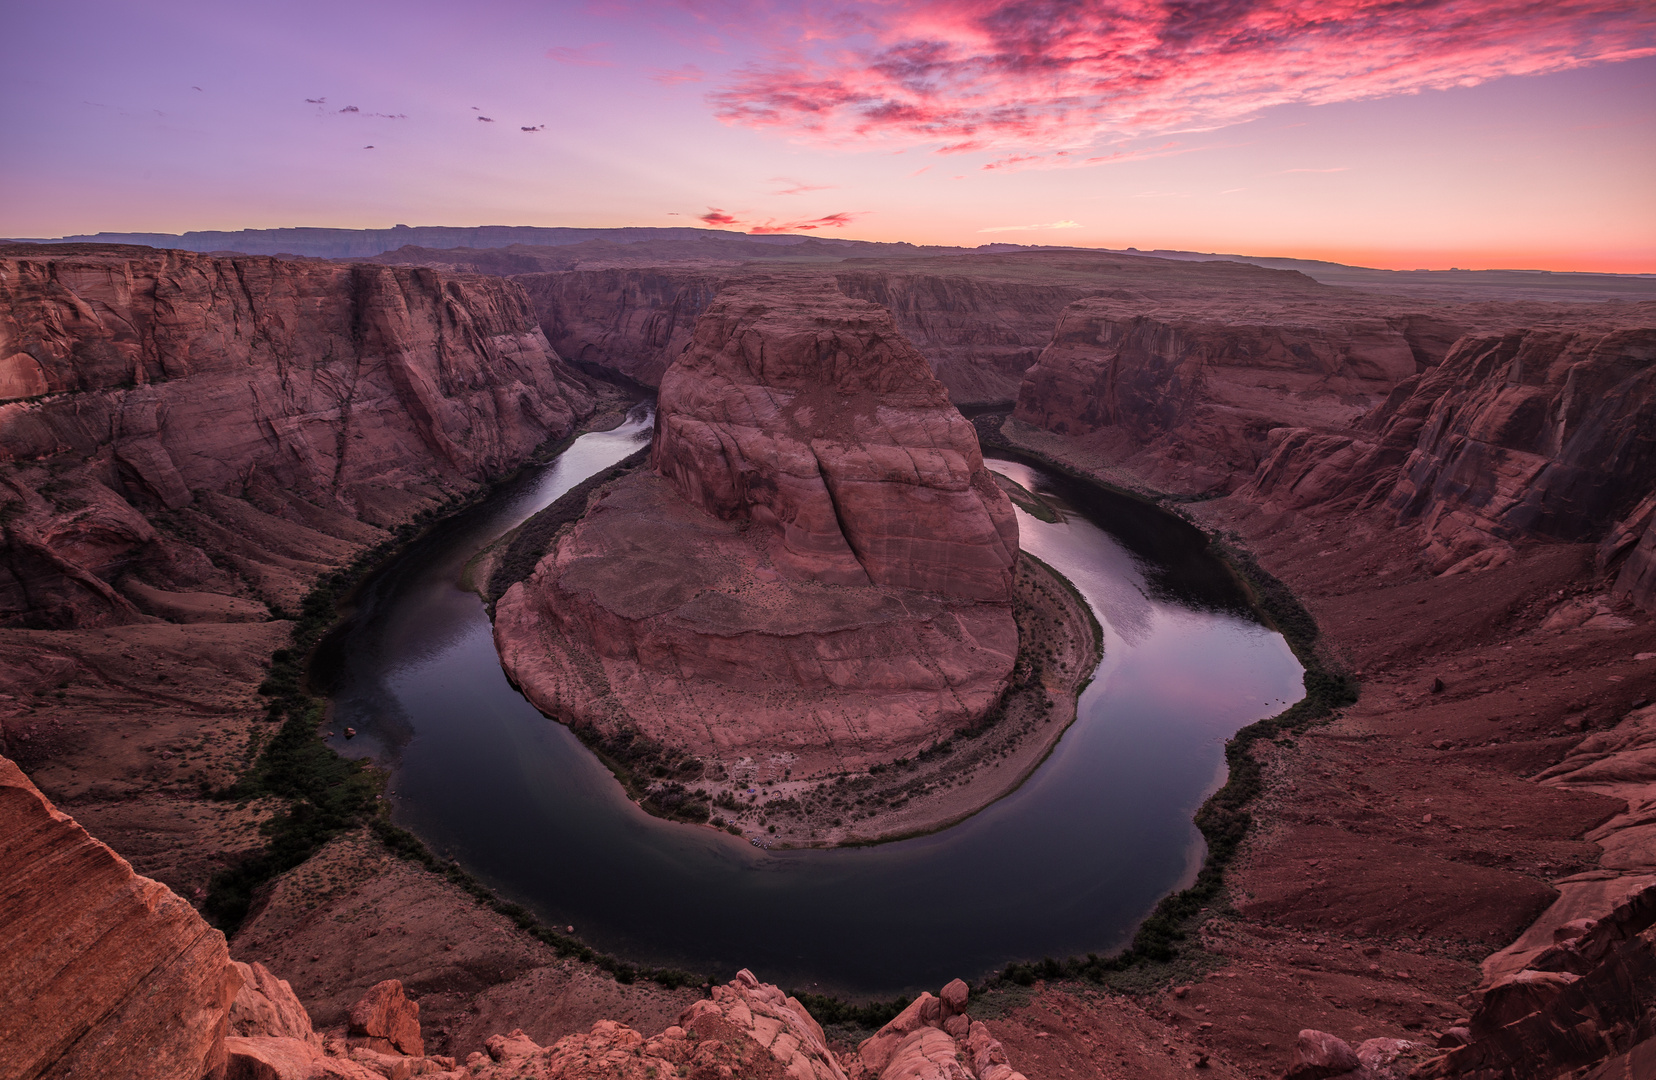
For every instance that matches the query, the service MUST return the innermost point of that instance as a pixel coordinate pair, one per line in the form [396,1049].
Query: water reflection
[1067,864]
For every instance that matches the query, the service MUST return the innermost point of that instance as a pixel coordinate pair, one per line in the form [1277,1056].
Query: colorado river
[1067,864]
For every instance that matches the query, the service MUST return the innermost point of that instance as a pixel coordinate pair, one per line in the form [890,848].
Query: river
[1065,865]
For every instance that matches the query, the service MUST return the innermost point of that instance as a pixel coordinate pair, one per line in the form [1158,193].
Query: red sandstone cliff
[210,426]
[1189,387]
[102,972]
[822,569]
[1535,433]
[978,332]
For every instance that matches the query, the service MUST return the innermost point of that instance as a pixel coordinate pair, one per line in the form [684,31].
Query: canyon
[1451,874]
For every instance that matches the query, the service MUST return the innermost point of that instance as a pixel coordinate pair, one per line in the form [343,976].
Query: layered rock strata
[102,972]
[1187,390]
[217,429]
[1537,433]
[821,568]
[978,333]
[980,320]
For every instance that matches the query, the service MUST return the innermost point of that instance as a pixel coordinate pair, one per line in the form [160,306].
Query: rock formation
[102,972]
[980,320]
[838,581]
[164,412]
[1188,388]
[1532,433]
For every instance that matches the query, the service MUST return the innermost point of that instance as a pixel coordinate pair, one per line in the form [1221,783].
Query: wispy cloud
[1024,75]
[1031,228]
[715,216]
[673,76]
[797,187]
[580,55]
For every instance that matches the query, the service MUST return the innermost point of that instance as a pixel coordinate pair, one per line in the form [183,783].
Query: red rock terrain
[1468,547]
[268,415]
[1459,858]
[822,568]
[980,320]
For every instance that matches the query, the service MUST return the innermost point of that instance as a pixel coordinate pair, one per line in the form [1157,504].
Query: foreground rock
[102,972]
[838,579]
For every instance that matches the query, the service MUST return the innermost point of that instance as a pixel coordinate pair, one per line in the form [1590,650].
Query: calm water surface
[1065,865]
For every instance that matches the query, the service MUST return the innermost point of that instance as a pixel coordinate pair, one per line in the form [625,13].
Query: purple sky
[1402,134]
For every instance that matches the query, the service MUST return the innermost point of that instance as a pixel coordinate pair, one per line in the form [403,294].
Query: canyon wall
[102,972]
[1539,433]
[978,333]
[216,426]
[822,569]
[1188,390]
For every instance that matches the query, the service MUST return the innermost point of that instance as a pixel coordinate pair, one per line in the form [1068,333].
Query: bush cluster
[323,794]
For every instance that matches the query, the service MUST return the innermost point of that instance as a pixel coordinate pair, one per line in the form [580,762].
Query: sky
[1394,133]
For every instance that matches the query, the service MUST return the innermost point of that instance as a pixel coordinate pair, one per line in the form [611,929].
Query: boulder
[385,1020]
[988,1056]
[927,1054]
[266,1006]
[1318,1055]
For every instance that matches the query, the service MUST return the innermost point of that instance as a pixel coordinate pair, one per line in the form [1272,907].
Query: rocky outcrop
[102,972]
[1187,390]
[1537,433]
[934,1039]
[387,1022]
[164,412]
[810,415]
[837,585]
[1589,997]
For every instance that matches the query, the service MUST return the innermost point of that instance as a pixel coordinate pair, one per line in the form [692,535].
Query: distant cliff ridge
[364,243]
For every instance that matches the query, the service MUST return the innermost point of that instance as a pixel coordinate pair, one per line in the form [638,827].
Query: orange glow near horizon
[1397,134]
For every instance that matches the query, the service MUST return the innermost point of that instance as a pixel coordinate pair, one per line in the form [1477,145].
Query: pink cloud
[580,55]
[715,216]
[973,75]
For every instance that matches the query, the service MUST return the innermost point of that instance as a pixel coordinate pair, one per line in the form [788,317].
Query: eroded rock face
[978,332]
[102,972]
[809,414]
[1532,433]
[135,382]
[1189,389]
[823,569]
